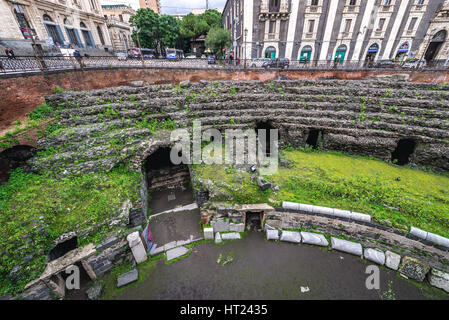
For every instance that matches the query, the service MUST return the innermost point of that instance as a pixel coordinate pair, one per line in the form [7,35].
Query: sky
[173,6]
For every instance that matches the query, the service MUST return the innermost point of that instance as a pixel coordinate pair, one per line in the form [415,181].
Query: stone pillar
[89,270]
[136,245]
[58,286]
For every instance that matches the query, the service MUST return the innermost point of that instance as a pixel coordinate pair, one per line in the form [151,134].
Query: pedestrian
[10,53]
[78,57]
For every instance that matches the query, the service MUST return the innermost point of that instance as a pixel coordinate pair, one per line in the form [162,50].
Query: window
[412,24]
[348,25]
[72,36]
[120,17]
[54,33]
[314,3]
[311,26]
[420,2]
[274,5]
[272,26]
[381,24]
[46,17]
[387,2]
[100,35]
[352,2]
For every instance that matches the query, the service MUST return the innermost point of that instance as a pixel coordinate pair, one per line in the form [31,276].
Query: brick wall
[20,93]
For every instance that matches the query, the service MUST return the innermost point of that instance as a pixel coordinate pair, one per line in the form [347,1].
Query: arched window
[306,53]
[371,54]
[83,25]
[100,35]
[440,36]
[46,17]
[340,53]
[402,51]
[66,21]
[270,52]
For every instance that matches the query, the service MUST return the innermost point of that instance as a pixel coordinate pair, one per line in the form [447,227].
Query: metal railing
[46,63]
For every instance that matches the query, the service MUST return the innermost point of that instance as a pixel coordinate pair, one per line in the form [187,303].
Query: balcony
[351,9]
[309,35]
[418,8]
[386,8]
[313,9]
[379,33]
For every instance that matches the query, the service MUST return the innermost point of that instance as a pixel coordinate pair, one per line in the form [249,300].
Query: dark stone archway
[314,138]
[404,149]
[12,158]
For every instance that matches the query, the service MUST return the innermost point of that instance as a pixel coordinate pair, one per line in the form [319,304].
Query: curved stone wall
[101,128]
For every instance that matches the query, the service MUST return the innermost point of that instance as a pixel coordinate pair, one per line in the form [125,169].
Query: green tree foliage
[156,31]
[193,26]
[217,39]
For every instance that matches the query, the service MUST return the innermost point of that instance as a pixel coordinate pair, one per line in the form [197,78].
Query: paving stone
[218,238]
[439,279]
[170,245]
[414,269]
[392,260]
[347,246]
[127,278]
[176,253]
[291,236]
[208,233]
[230,236]
[314,238]
[272,234]
[374,255]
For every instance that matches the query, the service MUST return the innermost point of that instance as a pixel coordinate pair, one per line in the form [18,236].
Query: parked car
[277,63]
[258,62]
[191,57]
[203,56]
[211,60]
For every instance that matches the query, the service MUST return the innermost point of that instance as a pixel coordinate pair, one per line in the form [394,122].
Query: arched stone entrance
[270,52]
[435,45]
[371,54]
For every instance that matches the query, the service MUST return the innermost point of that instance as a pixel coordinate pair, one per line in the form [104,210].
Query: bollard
[136,245]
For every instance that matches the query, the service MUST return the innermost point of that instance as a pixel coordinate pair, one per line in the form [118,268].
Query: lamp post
[246,34]
[137,30]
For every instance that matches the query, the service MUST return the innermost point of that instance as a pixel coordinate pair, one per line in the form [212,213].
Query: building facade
[48,24]
[330,30]
[154,5]
[119,27]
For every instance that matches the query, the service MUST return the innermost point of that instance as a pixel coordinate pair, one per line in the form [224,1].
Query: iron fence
[46,63]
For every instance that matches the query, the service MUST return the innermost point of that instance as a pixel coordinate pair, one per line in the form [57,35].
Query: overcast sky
[174,6]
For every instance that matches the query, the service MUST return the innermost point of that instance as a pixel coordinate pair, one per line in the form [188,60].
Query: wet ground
[270,270]
[175,226]
[168,199]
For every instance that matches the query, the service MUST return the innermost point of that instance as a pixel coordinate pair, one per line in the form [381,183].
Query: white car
[258,62]
[415,64]
[121,55]
[191,57]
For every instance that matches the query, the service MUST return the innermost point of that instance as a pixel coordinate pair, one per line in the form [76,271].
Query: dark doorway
[404,149]
[314,138]
[62,248]
[265,143]
[253,221]
[435,45]
[168,184]
[13,158]
[81,293]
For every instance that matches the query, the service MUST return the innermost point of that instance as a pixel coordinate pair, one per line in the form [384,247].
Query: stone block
[376,256]
[323,210]
[237,227]
[439,279]
[272,234]
[218,238]
[438,239]
[414,269]
[230,236]
[94,292]
[208,233]
[107,243]
[176,253]
[341,213]
[220,226]
[306,207]
[127,278]
[169,245]
[290,205]
[314,238]
[157,250]
[137,248]
[392,260]
[418,233]
[263,185]
[360,216]
[291,236]
[347,246]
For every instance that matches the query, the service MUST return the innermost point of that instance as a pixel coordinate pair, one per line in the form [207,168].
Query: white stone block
[218,238]
[347,246]
[290,205]
[306,207]
[291,236]
[237,227]
[360,216]
[170,245]
[342,213]
[176,253]
[392,260]
[230,236]
[374,255]
[272,235]
[208,233]
[314,238]
[439,279]
[220,225]
[323,210]
[418,232]
[437,239]
[137,247]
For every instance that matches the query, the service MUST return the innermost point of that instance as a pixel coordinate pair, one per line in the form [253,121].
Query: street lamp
[246,34]
[137,30]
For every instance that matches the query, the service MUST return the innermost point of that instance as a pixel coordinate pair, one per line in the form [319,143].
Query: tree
[156,32]
[217,39]
[194,26]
